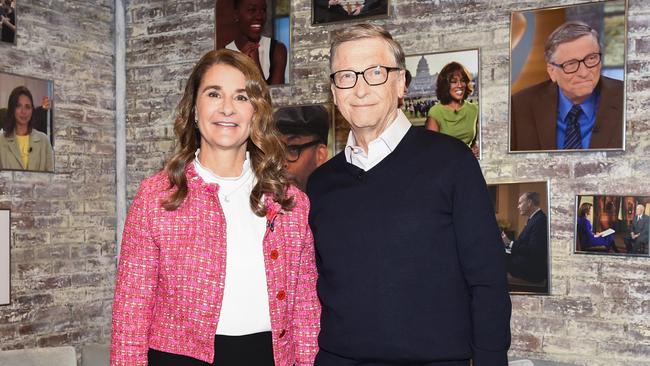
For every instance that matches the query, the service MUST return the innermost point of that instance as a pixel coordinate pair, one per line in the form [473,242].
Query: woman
[454,115]
[269,55]
[217,260]
[21,146]
[589,241]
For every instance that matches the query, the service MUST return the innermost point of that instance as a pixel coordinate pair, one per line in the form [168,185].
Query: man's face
[367,108]
[579,85]
[524,205]
[309,159]
[640,209]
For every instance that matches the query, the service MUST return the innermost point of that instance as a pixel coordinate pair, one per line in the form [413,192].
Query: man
[304,129]
[637,241]
[577,108]
[528,255]
[411,268]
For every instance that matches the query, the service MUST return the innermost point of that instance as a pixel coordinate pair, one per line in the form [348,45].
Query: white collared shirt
[379,148]
[245,304]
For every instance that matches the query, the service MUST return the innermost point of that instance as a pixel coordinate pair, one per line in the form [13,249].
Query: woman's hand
[251,49]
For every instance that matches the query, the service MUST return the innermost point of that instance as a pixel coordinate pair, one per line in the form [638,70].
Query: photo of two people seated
[612,224]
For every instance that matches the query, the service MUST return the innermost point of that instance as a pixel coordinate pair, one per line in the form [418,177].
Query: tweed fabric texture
[171,274]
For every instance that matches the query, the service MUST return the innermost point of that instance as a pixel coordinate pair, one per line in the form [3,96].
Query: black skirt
[251,349]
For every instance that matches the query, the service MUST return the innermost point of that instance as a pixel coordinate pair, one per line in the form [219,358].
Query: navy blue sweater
[411,265]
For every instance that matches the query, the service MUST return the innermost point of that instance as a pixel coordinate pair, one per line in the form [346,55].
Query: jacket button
[281,295]
[274,254]
[282,333]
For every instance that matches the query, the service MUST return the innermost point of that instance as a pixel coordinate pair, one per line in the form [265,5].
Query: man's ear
[401,82]
[321,154]
[332,88]
[550,69]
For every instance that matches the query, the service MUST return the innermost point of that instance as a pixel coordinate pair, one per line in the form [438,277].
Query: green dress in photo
[461,123]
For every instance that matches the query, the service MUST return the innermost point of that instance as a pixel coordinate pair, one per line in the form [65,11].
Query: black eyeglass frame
[563,65]
[299,148]
[362,73]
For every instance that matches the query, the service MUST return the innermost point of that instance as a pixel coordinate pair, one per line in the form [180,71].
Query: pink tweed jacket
[171,275]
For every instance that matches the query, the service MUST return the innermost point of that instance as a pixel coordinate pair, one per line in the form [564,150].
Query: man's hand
[505,239]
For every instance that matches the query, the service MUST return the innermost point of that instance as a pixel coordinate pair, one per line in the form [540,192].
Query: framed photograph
[615,225]
[26,115]
[521,210]
[259,28]
[567,78]
[332,11]
[443,94]
[308,132]
[5,244]
[8,28]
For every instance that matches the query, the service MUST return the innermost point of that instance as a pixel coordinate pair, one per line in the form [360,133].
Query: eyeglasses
[293,151]
[375,75]
[591,60]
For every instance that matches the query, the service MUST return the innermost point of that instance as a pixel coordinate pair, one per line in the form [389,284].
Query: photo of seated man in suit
[637,240]
[521,211]
[527,255]
[576,107]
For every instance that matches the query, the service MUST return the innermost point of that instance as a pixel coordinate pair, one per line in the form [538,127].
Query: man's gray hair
[363,31]
[567,32]
[533,197]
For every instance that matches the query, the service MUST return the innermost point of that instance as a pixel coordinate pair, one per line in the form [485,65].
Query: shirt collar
[588,106]
[209,176]
[388,139]
[533,214]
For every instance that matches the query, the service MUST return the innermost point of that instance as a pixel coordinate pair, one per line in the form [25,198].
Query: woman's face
[223,108]
[252,16]
[24,110]
[457,86]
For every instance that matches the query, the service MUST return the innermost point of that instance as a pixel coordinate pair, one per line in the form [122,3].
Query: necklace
[226,196]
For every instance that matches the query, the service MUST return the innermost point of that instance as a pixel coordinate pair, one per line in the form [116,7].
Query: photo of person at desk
[527,256]
[577,107]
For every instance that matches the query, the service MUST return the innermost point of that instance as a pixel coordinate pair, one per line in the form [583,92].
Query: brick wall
[599,310]
[63,224]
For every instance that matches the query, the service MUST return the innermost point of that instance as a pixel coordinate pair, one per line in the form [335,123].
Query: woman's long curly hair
[264,144]
[443,83]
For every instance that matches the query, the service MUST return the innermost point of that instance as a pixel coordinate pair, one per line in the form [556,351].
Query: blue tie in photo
[573,139]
